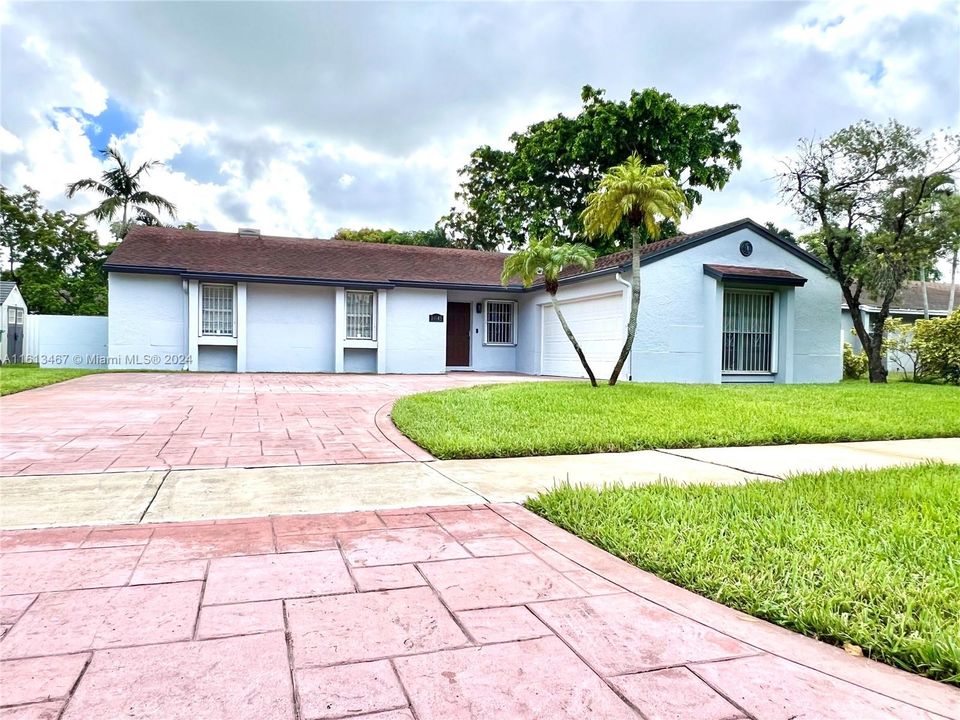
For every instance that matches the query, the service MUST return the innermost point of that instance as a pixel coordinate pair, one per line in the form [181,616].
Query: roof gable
[7,287]
[659,249]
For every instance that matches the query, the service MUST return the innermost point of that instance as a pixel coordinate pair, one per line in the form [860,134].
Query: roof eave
[294,280]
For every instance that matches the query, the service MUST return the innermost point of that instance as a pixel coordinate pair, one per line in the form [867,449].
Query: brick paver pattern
[143,421]
[426,614]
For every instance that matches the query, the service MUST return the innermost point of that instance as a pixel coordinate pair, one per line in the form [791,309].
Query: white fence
[67,341]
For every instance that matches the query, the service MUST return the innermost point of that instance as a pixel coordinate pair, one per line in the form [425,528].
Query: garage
[597,322]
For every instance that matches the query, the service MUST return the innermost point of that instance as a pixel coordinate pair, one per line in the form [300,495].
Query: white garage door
[598,324]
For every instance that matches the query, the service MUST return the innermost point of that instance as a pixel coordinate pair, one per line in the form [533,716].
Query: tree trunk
[953,279]
[634,303]
[878,363]
[572,339]
[877,368]
[125,214]
[923,288]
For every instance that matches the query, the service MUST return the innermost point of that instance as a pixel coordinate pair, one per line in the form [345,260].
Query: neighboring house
[734,303]
[907,305]
[13,314]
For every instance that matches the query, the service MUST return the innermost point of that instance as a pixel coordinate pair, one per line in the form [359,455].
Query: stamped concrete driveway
[143,421]
[468,612]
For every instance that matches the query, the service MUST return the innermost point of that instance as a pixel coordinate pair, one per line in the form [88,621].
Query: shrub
[854,364]
[937,341]
[899,348]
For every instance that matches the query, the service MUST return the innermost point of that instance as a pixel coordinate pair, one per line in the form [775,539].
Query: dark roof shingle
[201,252]
[773,276]
[910,297]
[207,252]
[6,287]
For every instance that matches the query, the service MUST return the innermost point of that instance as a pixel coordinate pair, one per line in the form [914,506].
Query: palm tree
[544,257]
[121,191]
[639,194]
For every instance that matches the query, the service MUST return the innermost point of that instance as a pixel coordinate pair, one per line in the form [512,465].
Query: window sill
[490,344]
[216,340]
[357,343]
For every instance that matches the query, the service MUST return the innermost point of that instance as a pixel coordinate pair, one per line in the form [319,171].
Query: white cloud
[391,99]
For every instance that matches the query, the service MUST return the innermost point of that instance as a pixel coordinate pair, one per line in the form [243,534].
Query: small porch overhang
[754,275]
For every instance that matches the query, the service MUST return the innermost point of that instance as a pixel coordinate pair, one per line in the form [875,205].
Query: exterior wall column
[193,324]
[381,332]
[339,328]
[786,340]
[713,330]
[241,327]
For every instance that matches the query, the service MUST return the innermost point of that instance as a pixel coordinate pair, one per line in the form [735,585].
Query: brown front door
[458,334]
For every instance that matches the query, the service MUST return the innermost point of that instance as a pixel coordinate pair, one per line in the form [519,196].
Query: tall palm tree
[120,188]
[544,257]
[639,194]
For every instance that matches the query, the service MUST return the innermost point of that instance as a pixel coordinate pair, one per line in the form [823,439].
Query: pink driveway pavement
[156,421]
[428,614]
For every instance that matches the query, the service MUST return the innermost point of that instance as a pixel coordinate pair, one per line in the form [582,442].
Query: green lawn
[870,558]
[14,378]
[545,418]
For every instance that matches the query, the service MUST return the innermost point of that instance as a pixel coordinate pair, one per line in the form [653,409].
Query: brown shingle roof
[202,252]
[774,276]
[910,297]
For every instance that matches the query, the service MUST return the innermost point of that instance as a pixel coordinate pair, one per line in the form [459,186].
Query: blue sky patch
[198,164]
[114,121]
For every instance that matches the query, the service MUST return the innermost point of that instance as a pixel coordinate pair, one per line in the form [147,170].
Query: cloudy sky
[299,118]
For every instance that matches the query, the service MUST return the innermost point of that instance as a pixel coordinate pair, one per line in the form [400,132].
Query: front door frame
[468,337]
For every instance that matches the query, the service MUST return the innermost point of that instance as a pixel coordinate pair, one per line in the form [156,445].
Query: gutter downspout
[629,287]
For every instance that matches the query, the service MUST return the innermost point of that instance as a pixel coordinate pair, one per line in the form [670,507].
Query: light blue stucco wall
[680,319]
[359,360]
[413,343]
[487,358]
[217,358]
[147,318]
[290,328]
[847,334]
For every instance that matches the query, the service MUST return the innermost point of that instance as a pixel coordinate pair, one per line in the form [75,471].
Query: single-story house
[907,305]
[734,303]
[13,313]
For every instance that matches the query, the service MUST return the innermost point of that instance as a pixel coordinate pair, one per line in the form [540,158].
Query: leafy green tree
[642,197]
[865,190]
[121,191]
[56,260]
[540,185]
[782,233]
[943,225]
[424,238]
[547,259]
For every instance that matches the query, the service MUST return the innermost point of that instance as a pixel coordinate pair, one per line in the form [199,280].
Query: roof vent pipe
[248,232]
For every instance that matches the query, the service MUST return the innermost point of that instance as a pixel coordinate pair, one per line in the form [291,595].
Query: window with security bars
[360,318]
[216,309]
[500,322]
[748,326]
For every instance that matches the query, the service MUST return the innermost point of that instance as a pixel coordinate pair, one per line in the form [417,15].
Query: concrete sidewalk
[166,496]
